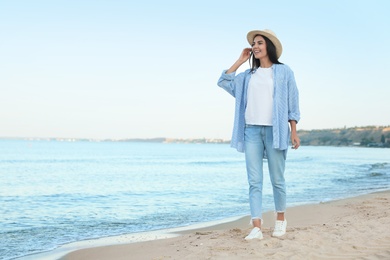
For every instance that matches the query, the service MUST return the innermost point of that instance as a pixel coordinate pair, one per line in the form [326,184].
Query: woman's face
[259,47]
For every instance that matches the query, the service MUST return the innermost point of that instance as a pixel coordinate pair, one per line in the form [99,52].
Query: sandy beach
[353,228]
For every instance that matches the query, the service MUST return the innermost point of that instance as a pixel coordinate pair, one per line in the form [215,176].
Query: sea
[53,193]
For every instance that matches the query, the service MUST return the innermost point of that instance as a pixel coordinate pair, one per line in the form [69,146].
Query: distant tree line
[369,136]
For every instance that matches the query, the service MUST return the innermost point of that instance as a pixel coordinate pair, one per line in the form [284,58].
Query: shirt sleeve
[228,82]
[293,99]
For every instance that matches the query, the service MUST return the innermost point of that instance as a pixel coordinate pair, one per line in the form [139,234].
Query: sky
[143,69]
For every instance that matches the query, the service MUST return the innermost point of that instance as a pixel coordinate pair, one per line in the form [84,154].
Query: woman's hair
[271,51]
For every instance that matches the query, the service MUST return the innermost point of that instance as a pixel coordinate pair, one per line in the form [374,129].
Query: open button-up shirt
[285,104]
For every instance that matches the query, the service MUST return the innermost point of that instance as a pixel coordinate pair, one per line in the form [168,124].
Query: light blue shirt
[285,104]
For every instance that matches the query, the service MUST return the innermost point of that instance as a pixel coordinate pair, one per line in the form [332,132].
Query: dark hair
[271,51]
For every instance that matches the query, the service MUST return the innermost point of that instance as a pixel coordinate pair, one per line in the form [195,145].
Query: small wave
[379,169]
[377,174]
[384,165]
[366,175]
[215,162]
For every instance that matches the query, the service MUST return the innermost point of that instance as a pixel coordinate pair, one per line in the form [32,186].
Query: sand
[353,228]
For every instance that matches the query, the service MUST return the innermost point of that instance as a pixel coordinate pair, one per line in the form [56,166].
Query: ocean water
[53,193]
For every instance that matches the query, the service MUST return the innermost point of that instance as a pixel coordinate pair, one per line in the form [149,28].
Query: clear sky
[143,69]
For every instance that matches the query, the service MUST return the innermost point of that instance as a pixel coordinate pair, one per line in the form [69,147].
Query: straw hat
[270,35]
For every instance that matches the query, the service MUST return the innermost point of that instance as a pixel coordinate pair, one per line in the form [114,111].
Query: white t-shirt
[260,98]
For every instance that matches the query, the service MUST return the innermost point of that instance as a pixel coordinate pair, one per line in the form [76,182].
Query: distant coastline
[366,136]
[140,140]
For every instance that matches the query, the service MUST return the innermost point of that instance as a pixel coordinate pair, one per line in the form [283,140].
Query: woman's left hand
[296,142]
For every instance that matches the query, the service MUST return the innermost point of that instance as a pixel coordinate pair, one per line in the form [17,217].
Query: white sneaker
[255,234]
[280,228]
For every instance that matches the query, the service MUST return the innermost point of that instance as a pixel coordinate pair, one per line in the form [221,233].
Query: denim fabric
[285,105]
[258,140]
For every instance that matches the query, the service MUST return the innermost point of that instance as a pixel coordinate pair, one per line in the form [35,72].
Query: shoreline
[342,229]
[130,238]
[205,240]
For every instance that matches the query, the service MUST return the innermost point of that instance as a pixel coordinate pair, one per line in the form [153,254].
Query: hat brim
[278,45]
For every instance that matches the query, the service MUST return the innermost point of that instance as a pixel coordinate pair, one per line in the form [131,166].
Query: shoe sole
[278,235]
[255,238]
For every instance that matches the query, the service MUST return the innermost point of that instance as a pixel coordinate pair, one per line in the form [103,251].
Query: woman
[266,104]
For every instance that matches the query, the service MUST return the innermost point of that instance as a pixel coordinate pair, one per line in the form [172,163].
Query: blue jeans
[259,140]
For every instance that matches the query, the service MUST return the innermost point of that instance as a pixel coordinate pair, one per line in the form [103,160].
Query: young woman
[266,105]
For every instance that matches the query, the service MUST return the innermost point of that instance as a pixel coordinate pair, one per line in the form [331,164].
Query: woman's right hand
[245,54]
